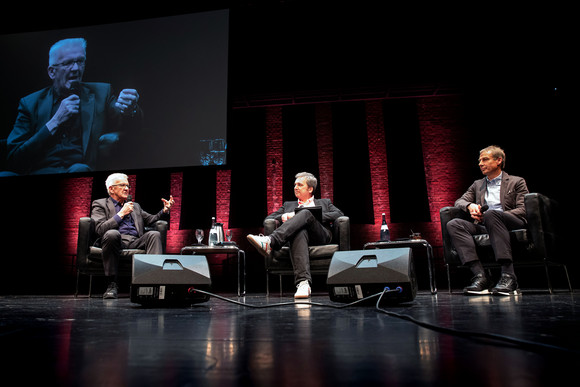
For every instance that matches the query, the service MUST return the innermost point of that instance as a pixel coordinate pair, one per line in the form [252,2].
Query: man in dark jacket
[496,205]
[120,224]
[58,129]
[300,229]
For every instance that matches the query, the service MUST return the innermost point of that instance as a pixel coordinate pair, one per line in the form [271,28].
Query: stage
[444,339]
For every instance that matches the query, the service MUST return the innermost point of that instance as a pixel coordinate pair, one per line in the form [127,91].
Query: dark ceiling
[327,49]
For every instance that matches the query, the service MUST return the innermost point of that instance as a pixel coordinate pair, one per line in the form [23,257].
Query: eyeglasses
[122,185]
[70,63]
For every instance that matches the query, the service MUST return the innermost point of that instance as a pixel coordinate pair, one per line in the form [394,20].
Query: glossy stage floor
[443,339]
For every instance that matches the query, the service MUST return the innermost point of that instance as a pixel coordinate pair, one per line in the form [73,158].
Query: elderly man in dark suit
[496,204]
[299,229]
[58,128]
[120,223]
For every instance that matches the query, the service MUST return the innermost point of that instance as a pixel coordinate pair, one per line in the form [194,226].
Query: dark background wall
[389,106]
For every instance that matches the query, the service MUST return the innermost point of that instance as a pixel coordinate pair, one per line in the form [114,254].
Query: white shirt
[492,193]
[308,203]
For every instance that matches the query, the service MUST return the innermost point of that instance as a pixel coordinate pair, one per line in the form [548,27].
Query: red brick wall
[79,188]
[379,173]
[274,158]
[442,142]
[325,151]
[177,238]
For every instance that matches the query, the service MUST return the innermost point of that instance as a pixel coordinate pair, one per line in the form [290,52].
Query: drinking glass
[229,235]
[199,235]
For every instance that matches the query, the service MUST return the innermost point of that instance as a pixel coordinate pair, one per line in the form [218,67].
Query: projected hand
[67,108]
[127,101]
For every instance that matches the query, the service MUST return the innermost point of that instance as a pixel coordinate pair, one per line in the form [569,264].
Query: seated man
[503,195]
[120,224]
[299,229]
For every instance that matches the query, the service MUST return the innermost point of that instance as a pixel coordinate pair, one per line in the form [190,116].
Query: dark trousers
[299,232]
[113,242]
[496,224]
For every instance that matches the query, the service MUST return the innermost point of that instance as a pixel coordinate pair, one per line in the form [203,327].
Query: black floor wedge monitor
[354,275]
[171,280]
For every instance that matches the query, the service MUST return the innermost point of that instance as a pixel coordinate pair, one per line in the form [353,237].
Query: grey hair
[310,179]
[496,152]
[113,178]
[55,49]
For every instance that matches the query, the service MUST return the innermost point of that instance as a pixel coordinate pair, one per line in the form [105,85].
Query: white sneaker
[303,290]
[262,243]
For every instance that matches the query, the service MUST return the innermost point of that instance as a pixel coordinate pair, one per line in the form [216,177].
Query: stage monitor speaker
[357,274]
[159,279]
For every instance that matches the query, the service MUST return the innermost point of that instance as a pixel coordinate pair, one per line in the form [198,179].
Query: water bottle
[213,233]
[385,234]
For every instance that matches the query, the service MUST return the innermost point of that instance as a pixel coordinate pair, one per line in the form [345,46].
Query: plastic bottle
[385,234]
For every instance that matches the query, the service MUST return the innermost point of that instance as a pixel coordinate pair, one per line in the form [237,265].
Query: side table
[229,249]
[409,243]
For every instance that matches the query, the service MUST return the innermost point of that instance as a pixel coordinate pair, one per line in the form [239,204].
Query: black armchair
[279,263]
[89,257]
[534,246]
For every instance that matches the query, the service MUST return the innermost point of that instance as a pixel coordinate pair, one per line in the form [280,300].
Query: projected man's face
[68,69]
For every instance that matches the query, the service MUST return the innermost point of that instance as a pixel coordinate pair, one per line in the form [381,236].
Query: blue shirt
[492,193]
[126,224]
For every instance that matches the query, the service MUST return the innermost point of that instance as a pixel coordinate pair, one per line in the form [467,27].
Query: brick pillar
[325,150]
[133,183]
[378,166]
[442,141]
[80,188]
[223,191]
[274,158]
[176,238]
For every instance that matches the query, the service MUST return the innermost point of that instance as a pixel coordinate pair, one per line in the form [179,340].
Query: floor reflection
[92,342]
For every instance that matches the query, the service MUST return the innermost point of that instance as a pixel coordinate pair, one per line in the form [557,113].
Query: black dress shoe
[506,286]
[111,292]
[480,285]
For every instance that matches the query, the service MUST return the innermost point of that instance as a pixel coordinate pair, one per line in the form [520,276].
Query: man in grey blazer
[57,129]
[120,224]
[299,229]
[496,205]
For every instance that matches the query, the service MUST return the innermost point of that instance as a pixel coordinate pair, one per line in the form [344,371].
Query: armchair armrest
[541,214]
[86,228]
[445,215]
[162,226]
[342,232]
[269,226]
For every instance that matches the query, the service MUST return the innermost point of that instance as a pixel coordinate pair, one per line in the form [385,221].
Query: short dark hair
[310,179]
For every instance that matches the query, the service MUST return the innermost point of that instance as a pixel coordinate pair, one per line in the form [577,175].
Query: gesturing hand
[127,101]
[167,203]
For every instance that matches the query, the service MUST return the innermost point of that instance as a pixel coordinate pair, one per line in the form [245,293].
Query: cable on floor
[524,344]
[520,343]
[385,291]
